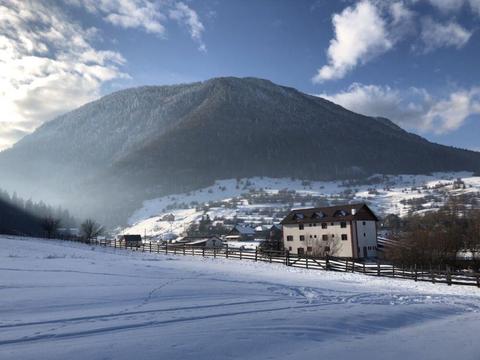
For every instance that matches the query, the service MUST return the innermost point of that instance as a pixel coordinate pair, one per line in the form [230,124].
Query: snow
[62,300]
[386,199]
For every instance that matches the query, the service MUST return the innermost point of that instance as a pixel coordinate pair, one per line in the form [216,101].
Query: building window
[302,237]
[300,251]
[364,223]
[325,237]
[289,238]
[300,226]
[344,237]
[315,236]
[310,236]
[289,248]
[343,224]
[309,249]
[333,235]
[324,225]
[364,234]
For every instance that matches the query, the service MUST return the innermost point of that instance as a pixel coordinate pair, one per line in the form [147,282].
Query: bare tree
[322,248]
[472,236]
[50,225]
[90,230]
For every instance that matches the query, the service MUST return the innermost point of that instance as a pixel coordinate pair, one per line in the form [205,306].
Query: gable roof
[243,229]
[345,212]
[132,237]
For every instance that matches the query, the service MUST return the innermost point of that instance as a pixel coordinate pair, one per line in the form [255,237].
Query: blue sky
[413,61]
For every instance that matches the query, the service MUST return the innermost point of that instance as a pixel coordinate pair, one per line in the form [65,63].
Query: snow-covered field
[70,301]
[388,195]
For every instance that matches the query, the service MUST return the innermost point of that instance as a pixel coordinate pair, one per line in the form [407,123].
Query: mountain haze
[143,142]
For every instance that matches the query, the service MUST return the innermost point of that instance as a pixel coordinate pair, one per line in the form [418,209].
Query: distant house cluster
[348,231]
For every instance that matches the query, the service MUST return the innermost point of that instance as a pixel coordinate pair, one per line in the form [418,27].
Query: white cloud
[48,65]
[412,108]
[372,27]
[436,35]
[147,15]
[475,5]
[449,114]
[448,6]
[360,33]
[186,15]
[143,14]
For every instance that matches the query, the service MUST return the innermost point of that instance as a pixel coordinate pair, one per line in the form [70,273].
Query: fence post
[203,251]
[150,244]
[363,268]
[393,270]
[240,253]
[166,248]
[115,243]
[416,275]
[226,252]
[256,253]
[158,248]
[214,252]
[306,261]
[184,249]
[378,268]
[346,265]
[449,276]
[433,274]
[287,258]
[478,280]
[327,263]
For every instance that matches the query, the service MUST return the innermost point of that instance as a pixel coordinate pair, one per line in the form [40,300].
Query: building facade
[348,231]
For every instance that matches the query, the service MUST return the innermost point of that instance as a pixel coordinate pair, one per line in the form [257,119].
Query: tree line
[39,209]
[447,237]
[27,217]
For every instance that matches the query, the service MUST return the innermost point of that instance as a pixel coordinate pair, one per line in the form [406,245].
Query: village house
[130,240]
[241,232]
[207,242]
[348,231]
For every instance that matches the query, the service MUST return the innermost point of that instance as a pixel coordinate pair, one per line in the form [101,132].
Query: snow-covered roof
[244,229]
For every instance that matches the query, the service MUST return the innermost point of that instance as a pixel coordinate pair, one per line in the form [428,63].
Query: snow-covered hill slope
[265,200]
[70,301]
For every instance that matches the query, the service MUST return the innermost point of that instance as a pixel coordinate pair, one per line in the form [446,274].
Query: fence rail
[415,273]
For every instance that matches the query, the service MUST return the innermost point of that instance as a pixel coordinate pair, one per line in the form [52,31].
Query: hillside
[145,142]
[266,201]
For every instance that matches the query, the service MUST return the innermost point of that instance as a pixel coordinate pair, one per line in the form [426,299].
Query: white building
[344,231]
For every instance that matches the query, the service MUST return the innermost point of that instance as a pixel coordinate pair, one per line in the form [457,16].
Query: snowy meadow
[63,300]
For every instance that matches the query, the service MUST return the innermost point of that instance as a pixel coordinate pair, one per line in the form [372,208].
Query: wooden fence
[449,277]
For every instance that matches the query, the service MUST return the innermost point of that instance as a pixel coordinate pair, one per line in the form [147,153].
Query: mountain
[148,141]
